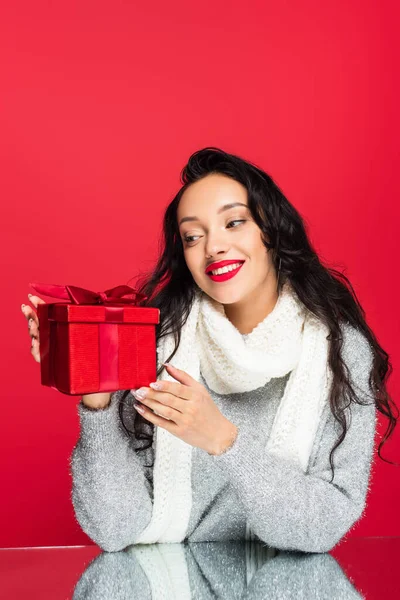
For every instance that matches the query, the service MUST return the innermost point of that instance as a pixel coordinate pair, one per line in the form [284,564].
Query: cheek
[191,261]
[259,255]
[255,248]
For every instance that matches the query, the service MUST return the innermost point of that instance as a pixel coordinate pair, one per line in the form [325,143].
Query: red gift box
[96,341]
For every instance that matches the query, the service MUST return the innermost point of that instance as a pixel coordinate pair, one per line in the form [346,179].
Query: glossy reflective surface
[357,568]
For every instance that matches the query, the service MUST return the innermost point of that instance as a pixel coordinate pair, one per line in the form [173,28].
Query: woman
[266,427]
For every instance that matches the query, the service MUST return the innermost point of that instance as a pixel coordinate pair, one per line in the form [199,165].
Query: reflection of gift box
[96,342]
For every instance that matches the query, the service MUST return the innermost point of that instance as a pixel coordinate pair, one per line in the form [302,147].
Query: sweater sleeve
[292,510]
[110,493]
[116,576]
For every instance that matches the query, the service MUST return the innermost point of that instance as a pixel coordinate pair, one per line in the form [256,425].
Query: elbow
[312,538]
[325,539]
[110,541]
[111,544]
[336,534]
[321,544]
[318,543]
[107,538]
[111,532]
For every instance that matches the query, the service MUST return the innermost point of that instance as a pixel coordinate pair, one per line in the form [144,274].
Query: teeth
[226,269]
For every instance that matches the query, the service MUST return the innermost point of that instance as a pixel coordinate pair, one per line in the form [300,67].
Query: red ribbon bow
[121,294]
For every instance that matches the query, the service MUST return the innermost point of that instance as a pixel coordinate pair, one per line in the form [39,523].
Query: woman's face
[211,233]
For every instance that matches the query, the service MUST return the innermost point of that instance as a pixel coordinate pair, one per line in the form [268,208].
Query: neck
[246,314]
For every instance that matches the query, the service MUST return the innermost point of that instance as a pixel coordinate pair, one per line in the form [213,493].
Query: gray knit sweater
[234,570]
[112,489]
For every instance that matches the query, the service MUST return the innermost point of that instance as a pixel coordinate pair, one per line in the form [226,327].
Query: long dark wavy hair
[326,292]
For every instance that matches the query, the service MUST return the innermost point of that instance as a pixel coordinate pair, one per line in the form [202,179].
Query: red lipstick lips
[220,264]
[224,276]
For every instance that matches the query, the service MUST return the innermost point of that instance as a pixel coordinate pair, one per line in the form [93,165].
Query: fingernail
[22,305]
[139,408]
[30,295]
[168,365]
[140,393]
[155,385]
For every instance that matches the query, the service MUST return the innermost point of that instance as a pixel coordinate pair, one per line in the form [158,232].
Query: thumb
[35,300]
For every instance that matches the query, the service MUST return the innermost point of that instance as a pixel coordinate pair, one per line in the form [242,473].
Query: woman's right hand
[97,400]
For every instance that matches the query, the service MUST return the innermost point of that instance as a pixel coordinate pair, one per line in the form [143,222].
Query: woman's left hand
[187,410]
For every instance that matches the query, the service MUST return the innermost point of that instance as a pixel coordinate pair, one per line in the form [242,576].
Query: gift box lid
[81,313]
[115,305]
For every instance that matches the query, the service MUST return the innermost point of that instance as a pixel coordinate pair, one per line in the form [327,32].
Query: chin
[225,296]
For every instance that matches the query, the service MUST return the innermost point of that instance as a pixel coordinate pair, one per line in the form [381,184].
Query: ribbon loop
[121,294]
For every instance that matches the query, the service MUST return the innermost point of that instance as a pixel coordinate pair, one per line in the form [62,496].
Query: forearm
[110,494]
[292,510]
[287,509]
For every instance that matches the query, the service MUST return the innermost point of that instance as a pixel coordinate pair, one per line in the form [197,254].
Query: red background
[101,105]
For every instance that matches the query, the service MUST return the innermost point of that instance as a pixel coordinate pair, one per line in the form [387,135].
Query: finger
[35,300]
[33,329]
[182,376]
[165,405]
[35,351]
[29,313]
[177,389]
[156,419]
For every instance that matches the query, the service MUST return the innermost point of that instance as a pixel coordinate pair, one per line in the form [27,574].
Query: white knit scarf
[290,339]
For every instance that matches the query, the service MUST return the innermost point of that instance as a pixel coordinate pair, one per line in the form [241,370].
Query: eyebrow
[224,207]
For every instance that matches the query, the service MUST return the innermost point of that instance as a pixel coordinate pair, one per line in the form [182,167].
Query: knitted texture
[112,488]
[166,570]
[224,570]
[272,349]
[289,339]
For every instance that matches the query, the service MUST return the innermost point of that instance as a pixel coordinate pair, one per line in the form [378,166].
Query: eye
[237,221]
[189,239]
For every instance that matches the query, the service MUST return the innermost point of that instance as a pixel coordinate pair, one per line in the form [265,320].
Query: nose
[216,245]
[215,250]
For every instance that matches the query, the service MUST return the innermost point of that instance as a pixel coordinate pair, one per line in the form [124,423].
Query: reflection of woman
[266,428]
[213,570]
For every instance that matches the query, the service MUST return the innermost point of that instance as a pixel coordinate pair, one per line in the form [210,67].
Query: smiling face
[211,234]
